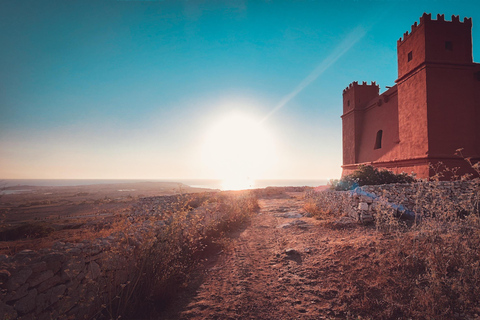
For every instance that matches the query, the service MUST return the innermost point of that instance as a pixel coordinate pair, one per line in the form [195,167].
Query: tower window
[409,57]
[449,45]
[378,140]
[348,103]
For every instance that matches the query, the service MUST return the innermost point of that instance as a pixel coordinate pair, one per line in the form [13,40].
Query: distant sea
[196,183]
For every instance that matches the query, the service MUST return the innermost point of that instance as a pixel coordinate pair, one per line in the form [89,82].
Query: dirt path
[284,266]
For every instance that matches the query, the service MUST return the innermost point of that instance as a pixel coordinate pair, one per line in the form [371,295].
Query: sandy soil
[283,268]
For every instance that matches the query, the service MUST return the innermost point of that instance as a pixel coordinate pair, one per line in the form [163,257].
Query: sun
[237,149]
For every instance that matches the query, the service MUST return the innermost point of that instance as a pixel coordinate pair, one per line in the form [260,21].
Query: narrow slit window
[348,103]
[449,45]
[410,56]
[378,140]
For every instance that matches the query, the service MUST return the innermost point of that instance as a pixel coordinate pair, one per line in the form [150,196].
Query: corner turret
[356,96]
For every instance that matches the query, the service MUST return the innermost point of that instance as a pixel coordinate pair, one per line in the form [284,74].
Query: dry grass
[312,207]
[319,212]
[324,205]
[173,247]
[435,262]
[429,269]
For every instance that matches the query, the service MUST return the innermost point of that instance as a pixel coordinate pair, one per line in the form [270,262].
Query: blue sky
[129,89]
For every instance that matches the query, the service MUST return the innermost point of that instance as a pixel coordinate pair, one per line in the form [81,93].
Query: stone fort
[433,109]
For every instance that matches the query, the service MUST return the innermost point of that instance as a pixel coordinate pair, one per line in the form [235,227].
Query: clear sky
[144,89]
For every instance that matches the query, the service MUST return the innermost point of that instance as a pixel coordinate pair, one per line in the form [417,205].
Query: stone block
[7,312]
[365,217]
[366,199]
[41,303]
[74,251]
[30,254]
[35,281]
[57,293]
[363,206]
[47,284]
[93,250]
[73,268]
[17,294]
[18,279]
[27,303]
[38,267]
[95,257]
[54,261]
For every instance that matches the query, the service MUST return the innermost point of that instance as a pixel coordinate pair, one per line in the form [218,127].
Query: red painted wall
[451,111]
[380,115]
[433,110]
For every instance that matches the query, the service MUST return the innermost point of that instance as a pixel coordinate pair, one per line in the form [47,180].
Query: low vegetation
[425,270]
[369,175]
[165,260]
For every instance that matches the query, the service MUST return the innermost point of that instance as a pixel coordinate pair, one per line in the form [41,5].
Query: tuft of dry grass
[311,207]
[321,213]
[325,204]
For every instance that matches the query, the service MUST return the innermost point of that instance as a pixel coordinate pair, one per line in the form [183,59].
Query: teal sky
[130,89]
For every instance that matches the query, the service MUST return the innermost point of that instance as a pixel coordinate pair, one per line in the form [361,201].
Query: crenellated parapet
[363,85]
[427,18]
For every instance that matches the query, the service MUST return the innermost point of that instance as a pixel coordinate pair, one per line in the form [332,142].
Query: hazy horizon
[195,183]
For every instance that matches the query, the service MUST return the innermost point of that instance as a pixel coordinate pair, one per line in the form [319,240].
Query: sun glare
[237,149]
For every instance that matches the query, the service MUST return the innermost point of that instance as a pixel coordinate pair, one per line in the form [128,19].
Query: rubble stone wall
[419,198]
[72,280]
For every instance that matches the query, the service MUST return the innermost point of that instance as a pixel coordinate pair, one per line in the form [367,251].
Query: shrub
[369,175]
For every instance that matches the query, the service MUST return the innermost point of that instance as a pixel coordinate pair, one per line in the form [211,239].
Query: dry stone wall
[72,281]
[406,200]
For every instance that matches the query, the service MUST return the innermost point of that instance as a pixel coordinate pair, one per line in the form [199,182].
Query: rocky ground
[19,204]
[284,265]
[77,213]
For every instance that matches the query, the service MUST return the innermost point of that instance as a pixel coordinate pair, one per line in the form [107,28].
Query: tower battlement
[363,85]
[427,18]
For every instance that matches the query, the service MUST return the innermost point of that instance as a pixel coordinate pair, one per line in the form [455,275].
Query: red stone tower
[355,99]
[433,110]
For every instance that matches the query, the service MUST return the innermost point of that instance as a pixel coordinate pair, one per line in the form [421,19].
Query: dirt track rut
[260,278]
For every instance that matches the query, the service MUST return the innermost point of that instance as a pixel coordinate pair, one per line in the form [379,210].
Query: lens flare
[238,150]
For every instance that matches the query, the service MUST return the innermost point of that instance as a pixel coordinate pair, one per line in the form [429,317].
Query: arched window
[378,140]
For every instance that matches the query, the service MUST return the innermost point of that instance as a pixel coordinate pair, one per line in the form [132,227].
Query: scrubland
[292,253]
[424,268]
[159,241]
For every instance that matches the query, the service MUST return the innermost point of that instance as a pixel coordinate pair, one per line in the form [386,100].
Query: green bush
[369,175]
